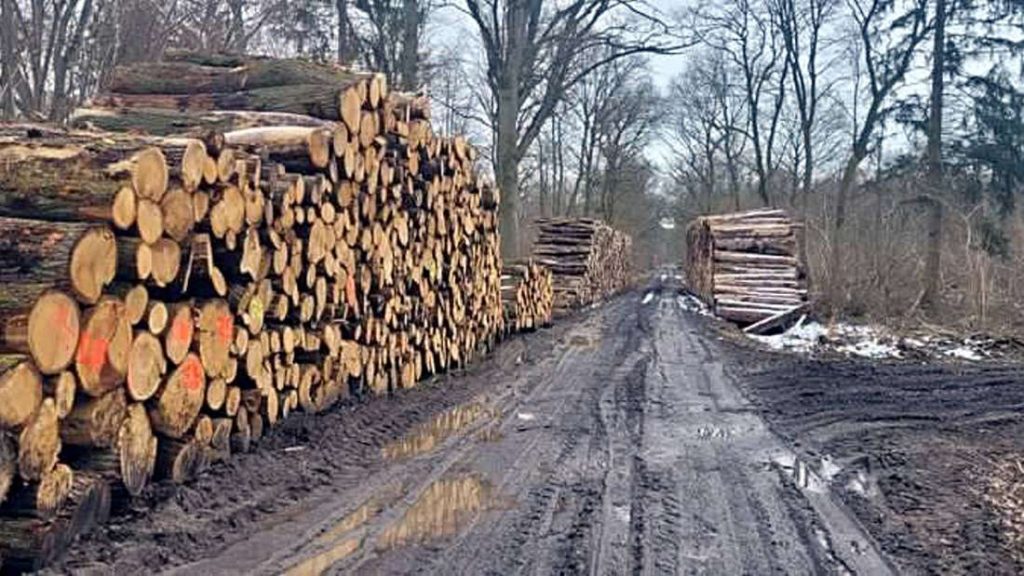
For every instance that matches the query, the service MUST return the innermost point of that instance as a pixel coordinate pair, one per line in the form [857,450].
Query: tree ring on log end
[93,263]
[53,328]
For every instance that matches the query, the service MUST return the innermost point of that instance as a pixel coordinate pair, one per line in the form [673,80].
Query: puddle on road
[338,542]
[426,437]
[319,564]
[803,475]
[443,509]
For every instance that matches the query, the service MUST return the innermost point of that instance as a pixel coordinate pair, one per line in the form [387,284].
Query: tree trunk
[410,45]
[8,59]
[933,256]
[835,261]
[508,168]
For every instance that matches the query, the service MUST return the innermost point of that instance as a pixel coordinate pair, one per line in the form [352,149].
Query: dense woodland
[893,128]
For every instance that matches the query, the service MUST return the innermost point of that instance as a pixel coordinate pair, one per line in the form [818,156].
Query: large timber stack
[165,299]
[745,265]
[589,260]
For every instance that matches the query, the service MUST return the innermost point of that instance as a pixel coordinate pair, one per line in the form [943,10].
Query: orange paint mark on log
[181,330]
[92,352]
[192,374]
[225,328]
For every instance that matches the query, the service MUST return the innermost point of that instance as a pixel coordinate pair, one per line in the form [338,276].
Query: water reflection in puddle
[320,563]
[442,510]
[428,436]
[339,542]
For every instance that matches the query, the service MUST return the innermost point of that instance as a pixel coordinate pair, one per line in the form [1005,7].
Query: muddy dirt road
[629,440]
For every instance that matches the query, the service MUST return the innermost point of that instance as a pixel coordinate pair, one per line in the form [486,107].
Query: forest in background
[893,128]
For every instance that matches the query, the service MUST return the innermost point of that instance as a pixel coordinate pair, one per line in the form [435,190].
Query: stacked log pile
[527,295]
[166,299]
[589,260]
[745,265]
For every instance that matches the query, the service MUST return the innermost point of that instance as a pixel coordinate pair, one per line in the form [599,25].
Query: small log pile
[745,266]
[589,260]
[527,295]
[165,299]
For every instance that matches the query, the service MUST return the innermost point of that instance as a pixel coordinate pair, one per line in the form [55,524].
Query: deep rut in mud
[616,442]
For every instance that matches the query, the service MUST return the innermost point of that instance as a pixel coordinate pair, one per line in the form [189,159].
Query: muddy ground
[635,438]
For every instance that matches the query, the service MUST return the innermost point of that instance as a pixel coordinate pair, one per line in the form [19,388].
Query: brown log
[178,213]
[30,544]
[95,421]
[21,393]
[298,148]
[76,176]
[321,101]
[180,333]
[8,464]
[42,499]
[216,325]
[104,346]
[62,388]
[165,122]
[39,443]
[81,257]
[47,329]
[177,460]
[146,366]
[178,403]
[241,436]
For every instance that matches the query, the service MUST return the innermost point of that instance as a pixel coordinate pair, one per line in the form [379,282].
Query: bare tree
[743,32]
[389,33]
[536,51]
[888,35]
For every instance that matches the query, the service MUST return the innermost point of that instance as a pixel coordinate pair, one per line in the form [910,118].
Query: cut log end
[149,174]
[21,393]
[93,263]
[53,330]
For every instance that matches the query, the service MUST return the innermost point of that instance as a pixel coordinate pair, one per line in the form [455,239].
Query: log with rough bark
[165,122]
[589,261]
[95,421]
[73,176]
[21,392]
[8,464]
[39,443]
[77,257]
[42,499]
[46,328]
[745,266]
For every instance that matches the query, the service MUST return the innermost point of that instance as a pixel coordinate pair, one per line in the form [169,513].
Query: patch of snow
[648,297]
[965,352]
[689,303]
[829,469]
[801,337]
[915,342]
[870,348]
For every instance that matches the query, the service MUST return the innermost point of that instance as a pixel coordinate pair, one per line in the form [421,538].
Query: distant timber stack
[746,267]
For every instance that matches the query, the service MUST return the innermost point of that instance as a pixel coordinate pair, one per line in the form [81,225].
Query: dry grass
[1005,494]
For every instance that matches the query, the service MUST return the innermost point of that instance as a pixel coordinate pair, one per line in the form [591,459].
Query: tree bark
[933,256]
